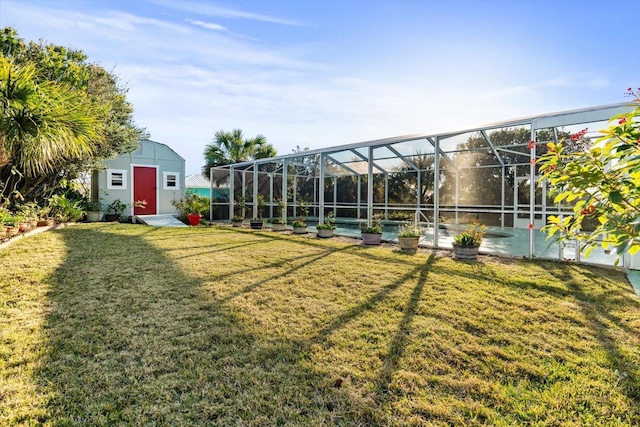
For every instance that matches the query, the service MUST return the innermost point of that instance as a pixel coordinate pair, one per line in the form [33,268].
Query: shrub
[373,227]
[409,230]
[602,184]
[472,235]
[329,219]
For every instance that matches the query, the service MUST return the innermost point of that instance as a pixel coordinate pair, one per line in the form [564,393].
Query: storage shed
[153,172]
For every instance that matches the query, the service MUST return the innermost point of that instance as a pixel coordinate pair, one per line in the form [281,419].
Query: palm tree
[232,147]
[41,124]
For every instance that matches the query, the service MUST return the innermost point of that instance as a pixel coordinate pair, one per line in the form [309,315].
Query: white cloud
[210,9]
[207,25]
[189,76]
[129,22]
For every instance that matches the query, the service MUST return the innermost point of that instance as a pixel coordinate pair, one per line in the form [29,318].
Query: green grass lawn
[127,324]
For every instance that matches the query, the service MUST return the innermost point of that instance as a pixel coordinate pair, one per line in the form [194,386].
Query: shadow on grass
[135,340]
[132,340]
[398,344]
[253,286]
[596,307]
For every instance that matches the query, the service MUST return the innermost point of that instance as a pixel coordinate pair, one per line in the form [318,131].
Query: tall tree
[403,182]
[233,147]
[60,116]
[42,124]
[480,178]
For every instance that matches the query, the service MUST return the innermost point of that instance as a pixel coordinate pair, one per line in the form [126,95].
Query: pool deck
[512,242]
[498,240]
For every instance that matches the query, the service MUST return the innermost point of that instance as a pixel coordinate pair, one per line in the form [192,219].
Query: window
[171,181]
[116,179]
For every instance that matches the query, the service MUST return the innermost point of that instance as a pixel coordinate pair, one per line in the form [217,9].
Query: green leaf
[560,197]
[615,197]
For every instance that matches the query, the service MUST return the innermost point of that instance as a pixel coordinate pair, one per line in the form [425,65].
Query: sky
[324,73]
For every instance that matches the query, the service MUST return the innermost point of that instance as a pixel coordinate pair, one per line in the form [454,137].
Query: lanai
[438,179]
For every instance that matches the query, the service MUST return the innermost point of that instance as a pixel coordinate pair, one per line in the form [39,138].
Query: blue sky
[324,73]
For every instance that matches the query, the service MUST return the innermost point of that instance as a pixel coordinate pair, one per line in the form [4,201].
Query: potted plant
[409,237]
[325,230]
[114,210]
[29,211]
[8,221]
[93,209]
[195,206]
[279,224]
[238,218]
[11,224]
[191,207]
[23,224]
[257,222]
[300,224]
[44,216]
[467,243]
[371,232]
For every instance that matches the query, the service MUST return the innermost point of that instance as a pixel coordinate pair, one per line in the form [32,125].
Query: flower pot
[279,227]
[94,216]
[409,243]
[45,222]
[12,231]
[194,219]
[371,238]
[23,226]
[465,252]
[236,223]
[256,224]
[300,229]
[33,224]
[325,233]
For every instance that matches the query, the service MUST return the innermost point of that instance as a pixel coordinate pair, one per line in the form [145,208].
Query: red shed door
[145,187]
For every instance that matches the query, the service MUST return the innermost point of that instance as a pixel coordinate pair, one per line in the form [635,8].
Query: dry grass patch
[124,324]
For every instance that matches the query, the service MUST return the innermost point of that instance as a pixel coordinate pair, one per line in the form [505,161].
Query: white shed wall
[149,153]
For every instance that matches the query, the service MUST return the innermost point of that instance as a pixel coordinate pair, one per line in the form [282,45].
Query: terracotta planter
[409,243]
[279,227]
[45,222]
[12,231]
[33,224]
[23,226]
[194,219]
[300,230]
[256,224]
[325,233]
[465,252]
[371,238]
